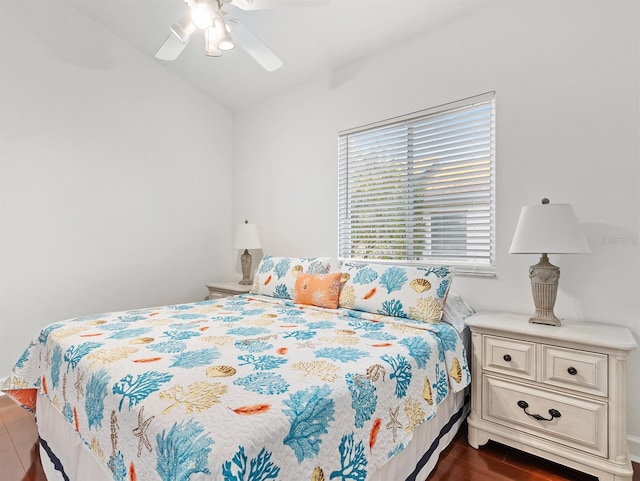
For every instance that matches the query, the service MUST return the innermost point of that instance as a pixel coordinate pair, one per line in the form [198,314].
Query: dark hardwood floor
[20,461]
[496,462]
[19,453]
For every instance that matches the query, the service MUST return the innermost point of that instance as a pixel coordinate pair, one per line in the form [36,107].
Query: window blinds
[420,188]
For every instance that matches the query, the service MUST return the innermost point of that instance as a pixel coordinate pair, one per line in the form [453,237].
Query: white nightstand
[556,392]
[219,290]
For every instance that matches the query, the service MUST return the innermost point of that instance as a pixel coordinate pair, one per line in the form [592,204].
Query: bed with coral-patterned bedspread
[248,388]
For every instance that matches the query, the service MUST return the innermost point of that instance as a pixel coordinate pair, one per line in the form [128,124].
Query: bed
[350,375]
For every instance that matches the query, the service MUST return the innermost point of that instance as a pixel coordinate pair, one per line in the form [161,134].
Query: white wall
[114,176]
[566,76]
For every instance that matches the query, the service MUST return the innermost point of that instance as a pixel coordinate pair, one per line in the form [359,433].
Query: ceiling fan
[221,34]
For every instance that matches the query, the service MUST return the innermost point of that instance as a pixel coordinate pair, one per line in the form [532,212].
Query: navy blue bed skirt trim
[54,459]
[445,429]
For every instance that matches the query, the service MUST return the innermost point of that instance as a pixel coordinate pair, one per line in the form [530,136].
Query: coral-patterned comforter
[248,388]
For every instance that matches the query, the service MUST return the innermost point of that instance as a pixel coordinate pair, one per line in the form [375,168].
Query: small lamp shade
[547,229]
[246,238]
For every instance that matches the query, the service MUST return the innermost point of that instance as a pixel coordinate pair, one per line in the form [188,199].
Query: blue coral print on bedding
[301,389]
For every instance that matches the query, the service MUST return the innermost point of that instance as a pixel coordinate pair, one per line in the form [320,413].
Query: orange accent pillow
[322,290]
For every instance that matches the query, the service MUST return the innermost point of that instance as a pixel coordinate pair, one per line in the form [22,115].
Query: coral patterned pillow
[322,290]
[276,276]
[401,291]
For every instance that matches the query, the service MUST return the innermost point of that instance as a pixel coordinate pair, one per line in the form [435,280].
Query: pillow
[276,276]
[456,311]
[322,290]
[400,291]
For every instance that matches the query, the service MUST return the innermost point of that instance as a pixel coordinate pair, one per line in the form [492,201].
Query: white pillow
[456,310]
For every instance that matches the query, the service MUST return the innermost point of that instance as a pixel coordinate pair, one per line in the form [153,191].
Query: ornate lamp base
[544,286]
[245,262]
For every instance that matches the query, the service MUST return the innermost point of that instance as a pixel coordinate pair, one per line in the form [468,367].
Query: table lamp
[548,229]
[246,238]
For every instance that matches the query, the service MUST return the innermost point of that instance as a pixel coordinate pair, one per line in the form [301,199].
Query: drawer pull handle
[572,370]
[507,358]
[552,412]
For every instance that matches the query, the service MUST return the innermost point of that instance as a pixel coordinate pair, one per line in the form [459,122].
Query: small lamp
[548,229]
[246,238]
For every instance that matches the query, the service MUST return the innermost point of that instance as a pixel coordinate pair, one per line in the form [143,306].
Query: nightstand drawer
[581,424]
[509,356]
[573,369]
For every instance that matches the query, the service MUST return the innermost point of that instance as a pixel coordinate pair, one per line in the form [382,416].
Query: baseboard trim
[634,448]
[2,380]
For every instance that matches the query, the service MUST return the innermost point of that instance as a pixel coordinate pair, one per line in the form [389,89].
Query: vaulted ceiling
[311,40]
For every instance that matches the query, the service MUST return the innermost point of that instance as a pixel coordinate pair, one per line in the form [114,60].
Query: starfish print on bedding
[141,431]
[394,424]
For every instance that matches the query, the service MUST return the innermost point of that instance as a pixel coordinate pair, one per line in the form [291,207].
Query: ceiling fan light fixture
[202,16]
[210,43]
[224,40]
[226,43]
[184,28]
[220,35]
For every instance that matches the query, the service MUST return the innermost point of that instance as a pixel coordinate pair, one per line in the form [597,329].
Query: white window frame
[380,165]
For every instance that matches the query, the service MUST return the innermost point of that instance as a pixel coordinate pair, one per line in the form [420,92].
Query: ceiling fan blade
[265,4]
[171,48]
[254,46]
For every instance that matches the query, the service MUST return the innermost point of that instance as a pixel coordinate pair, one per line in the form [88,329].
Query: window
[420,188]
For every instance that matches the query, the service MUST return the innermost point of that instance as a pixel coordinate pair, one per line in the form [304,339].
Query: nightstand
[556,392]
[218,290]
